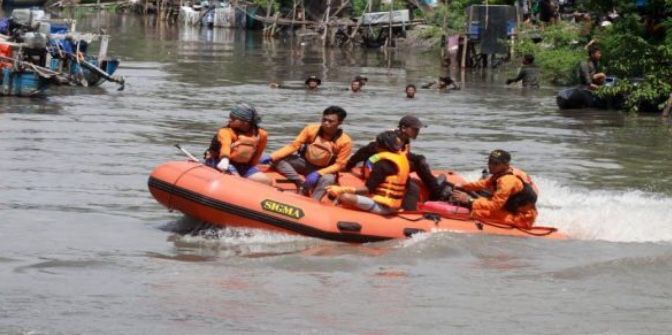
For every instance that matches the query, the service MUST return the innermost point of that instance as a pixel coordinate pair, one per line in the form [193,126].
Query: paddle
[188,154]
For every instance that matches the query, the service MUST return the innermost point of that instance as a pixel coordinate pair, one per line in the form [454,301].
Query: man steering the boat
[313,160]
[237,147]
[386,179]
[409,129]
[514,195]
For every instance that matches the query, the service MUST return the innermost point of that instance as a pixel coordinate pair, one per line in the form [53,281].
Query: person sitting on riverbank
[237,147]
[590,70]
[514,194]
[387,174]
[319,152]
[443,84]
[409,128]
[410,91]
[528,73]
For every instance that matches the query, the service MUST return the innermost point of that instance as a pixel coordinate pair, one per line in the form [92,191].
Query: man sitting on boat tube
[409,129]
[318,153]
[237,147]
[514,195]
[387,173]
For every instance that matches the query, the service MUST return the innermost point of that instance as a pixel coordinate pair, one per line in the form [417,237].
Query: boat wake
[192,235]
[605,215]
[608,215]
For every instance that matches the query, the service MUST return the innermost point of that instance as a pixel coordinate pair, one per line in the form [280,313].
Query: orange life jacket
[391,192]
[321,152]
[243,147]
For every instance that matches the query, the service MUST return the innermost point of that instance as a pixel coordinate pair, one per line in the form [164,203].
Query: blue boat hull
[22,3]
[21,84]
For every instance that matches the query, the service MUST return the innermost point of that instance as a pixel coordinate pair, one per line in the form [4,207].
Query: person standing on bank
[237,147]
[529,73]
[514,194]
[319,152]
[387,174]
[409,128]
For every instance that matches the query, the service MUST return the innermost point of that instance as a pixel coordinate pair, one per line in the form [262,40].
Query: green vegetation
[558,54]
[636,48]
[643,57]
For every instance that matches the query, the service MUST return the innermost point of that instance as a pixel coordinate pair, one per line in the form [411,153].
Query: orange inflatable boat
[208,195]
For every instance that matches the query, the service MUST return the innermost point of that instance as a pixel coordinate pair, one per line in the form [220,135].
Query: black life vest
[526,196]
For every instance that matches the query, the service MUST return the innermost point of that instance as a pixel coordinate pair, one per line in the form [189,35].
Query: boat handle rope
[434,217]
[546,230]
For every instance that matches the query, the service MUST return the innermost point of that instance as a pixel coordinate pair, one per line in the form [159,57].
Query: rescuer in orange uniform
[318,153]
[514,195]
[237,147]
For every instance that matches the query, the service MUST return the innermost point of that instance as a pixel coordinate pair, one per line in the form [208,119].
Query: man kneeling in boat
[514,195]
[237,147]
[319,152]
[387,174]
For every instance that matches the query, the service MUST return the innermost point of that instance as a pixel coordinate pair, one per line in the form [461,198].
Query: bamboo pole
[326,24]
[389,34]
[444,30]
[275,23]
[359,22]
[303,14]
[268,15]
[463,64]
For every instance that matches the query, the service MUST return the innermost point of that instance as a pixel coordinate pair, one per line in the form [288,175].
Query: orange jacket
[342,148]
[227,136]
[503,187]
[391,192]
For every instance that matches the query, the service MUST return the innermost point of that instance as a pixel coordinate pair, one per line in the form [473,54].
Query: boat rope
[544,230]
[434,217]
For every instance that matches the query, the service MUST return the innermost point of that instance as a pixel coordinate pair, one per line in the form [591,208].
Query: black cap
[499,156]
[315,79]
[411,122]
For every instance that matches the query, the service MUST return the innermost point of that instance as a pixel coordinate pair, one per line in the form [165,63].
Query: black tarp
[491,25]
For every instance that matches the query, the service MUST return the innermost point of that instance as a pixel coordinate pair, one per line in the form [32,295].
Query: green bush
[558,54]
[631,52]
